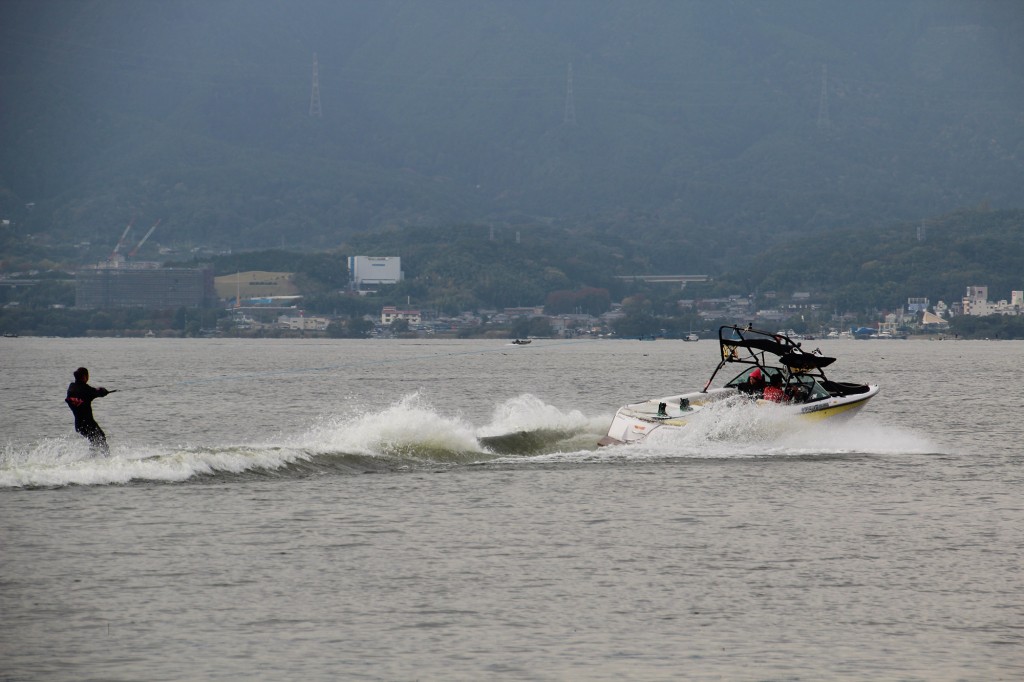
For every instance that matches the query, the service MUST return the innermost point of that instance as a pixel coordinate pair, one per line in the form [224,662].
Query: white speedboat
[777,373]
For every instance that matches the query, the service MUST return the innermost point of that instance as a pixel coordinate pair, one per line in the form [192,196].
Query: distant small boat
[691,337]
[521,342]
[10,335]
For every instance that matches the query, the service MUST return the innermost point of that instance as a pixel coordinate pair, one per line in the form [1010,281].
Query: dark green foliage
[587,301]
[988,327]
[696,141]
[637,324]
[336,303]
[45,294]
[72,322]
[536,327]
[881,267]
[352,328]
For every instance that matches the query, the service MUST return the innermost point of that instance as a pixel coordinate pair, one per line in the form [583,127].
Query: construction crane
[120,242]
[139,245]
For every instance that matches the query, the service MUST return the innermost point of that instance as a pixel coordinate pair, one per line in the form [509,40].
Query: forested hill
[849,270]
[881,267]
[719,128]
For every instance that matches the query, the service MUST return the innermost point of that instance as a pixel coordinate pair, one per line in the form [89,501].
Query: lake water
[438,510]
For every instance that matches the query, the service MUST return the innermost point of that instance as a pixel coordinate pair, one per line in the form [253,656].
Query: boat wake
[409,434]
[413,435]
[740,429]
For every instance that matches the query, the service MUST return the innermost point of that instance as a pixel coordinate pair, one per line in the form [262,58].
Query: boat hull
[634,423]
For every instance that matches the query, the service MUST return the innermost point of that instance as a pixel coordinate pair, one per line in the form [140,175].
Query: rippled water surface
[439,510]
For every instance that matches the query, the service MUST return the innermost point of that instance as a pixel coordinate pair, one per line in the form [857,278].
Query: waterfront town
[271,303]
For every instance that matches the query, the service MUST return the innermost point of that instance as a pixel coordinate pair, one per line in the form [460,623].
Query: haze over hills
[707,131]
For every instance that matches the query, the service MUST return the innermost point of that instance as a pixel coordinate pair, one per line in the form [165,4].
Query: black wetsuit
[80,397]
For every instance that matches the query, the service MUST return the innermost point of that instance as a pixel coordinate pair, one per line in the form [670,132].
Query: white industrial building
[391,314]
[303,323]
[976,303]
[366,271]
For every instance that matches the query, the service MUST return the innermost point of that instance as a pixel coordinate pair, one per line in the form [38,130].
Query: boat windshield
[806,388]
[801,388]
[744,376]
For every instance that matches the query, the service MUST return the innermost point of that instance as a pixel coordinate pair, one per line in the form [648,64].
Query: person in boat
[754,385]
[79,399]
[773,391]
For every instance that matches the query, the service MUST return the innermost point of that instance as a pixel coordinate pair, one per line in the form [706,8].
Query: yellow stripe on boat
[827,412]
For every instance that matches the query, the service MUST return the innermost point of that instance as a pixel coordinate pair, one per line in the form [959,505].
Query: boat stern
[634,423]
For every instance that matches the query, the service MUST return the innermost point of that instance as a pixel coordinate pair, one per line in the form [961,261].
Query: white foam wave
[862,435]
[413,427]
[529,413]
[62,462]
[747,430]
[409,426]
[738,429]
[409,429]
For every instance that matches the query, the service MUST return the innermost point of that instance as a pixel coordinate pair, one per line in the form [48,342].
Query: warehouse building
[364,271]
[144,287]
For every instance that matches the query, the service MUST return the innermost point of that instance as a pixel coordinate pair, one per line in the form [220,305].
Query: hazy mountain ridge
[695,123]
